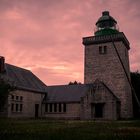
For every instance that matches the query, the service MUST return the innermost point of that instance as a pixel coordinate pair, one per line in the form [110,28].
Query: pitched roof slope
[66,93]
[72,93]
[23,79]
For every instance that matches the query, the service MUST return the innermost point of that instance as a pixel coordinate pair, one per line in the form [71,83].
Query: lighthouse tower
[107,59]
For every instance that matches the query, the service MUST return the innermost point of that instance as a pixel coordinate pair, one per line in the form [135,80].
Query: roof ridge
[109,90]
[65,85]
[23,78]
[18,67]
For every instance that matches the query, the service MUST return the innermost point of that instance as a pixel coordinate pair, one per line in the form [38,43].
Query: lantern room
[106,24]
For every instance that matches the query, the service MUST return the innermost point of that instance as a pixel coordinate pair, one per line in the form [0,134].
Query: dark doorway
[36,110]
[118,109]
[99,110]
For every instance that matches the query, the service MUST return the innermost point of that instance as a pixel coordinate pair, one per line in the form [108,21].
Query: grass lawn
[12,129]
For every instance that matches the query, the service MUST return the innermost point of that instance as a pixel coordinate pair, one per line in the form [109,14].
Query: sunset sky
[45,36]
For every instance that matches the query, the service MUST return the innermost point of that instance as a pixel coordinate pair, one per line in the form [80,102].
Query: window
[21,107]
[60,107]
[12,97]
[64,107]
[55,107]
[21,98]
[16,97]
[102,49]
[105,49]
[16,104]
[46,107]
[50,107]
[16,107]
[12,107]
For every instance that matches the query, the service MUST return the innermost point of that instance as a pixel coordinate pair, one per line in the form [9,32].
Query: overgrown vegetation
[5,89]
[74,83]
[11,129]
[135,79]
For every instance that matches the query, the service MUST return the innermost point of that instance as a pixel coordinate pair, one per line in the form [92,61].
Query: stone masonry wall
[103,96]
[28,103]
[107,68]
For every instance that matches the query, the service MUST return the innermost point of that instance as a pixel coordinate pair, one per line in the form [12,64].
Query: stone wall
[27,100]
[107,68]
[101,95]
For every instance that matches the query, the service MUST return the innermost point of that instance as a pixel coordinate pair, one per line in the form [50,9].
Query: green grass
[12,129]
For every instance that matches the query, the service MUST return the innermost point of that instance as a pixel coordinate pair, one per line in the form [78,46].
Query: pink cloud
[46,36]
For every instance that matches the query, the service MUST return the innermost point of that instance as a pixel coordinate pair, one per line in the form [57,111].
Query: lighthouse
[106,58]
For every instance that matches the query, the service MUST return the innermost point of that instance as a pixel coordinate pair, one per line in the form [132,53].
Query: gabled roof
[66,93]
[72,93]
[23,79]
[110,91]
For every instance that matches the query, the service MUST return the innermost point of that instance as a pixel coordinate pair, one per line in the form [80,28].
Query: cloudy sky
[45,36]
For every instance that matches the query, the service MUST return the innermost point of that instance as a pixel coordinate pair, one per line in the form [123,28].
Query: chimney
[2,64]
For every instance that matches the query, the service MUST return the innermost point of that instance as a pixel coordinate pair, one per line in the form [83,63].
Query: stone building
[105,94]
[83,101]
[107,59]
[26,99]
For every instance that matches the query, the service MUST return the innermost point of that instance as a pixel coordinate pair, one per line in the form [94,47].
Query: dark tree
[135,80]
[70,83]
[5,89]
[74,83]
